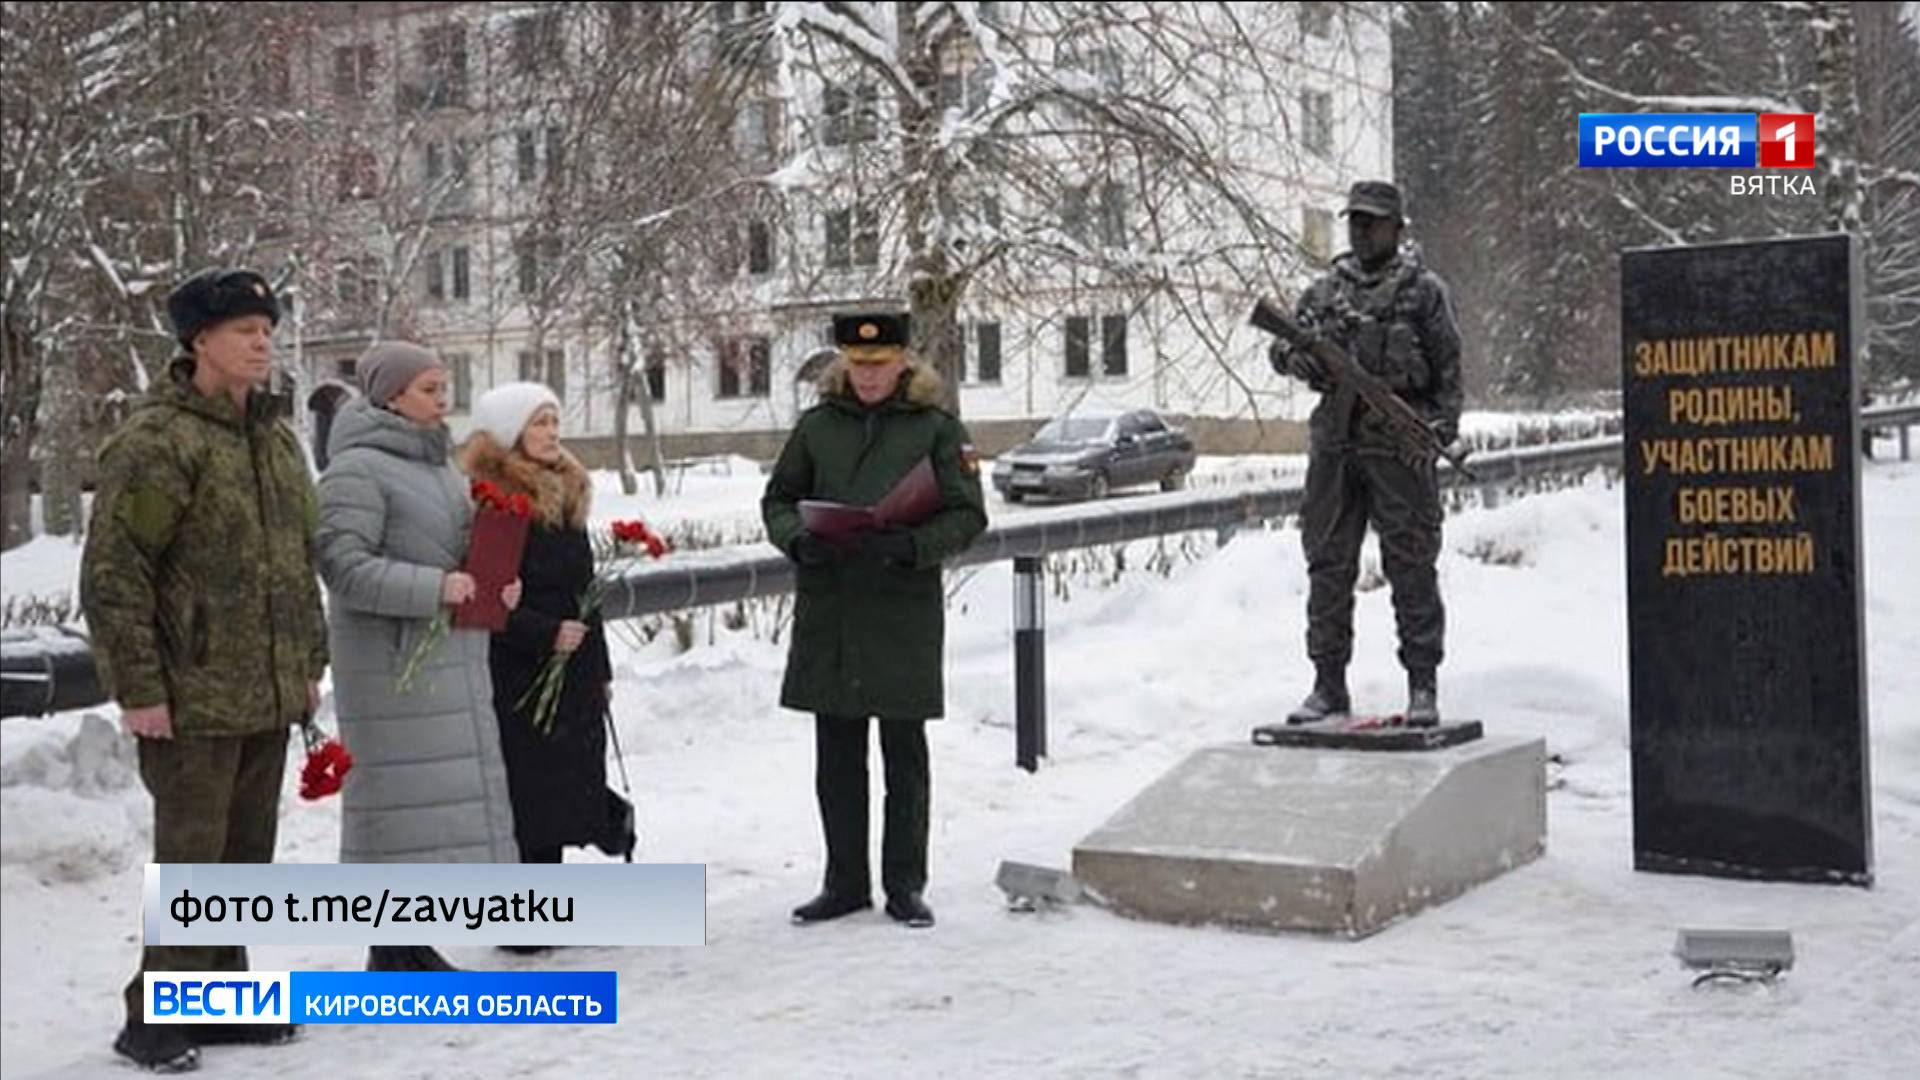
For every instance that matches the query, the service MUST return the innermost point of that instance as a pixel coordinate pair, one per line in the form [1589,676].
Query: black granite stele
[1748,689]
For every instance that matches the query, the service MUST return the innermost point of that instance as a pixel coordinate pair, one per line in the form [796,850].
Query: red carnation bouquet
[494,548]
[327,765]
[616,551]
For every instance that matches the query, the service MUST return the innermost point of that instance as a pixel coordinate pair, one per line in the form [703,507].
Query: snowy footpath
[1560,968]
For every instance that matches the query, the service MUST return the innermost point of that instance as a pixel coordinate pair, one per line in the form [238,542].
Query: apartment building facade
[428,192]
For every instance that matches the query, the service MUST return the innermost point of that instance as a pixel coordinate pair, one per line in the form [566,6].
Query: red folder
[913,500]
[498,541]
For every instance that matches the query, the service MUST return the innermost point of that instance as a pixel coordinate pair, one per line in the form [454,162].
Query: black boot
[1329,697]
[910,909]
[829,905]
[1423,698]
[157,1047]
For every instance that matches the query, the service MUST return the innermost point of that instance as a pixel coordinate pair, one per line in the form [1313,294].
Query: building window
[446,172]
[554,374]
[1316,120]
[852,112]
[357,175]
[1073,212]
[657,376]
[557,372]
[760,130]
[273,74]
[353,72]
[1113,345]
[1316,19]
[356,281]
[986,352]
[461,366]
[759,247]
[556,152]
[447,274]
[526,156]
[746,367]
[1316,229]
[537,258]
[1100,63]
[536,42]
[443,53]
[1113,215]
[853,238]
[1079,335]
[1095,211]
[742,30]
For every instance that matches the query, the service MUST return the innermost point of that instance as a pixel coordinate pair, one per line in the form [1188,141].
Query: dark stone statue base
[1367,733]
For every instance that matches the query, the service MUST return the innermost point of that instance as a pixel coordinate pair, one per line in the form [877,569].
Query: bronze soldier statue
[1393,316]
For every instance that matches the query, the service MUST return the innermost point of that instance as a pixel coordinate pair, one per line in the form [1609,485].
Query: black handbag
[618,836]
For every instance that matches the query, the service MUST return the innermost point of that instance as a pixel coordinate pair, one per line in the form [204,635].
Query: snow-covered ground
[1560,968]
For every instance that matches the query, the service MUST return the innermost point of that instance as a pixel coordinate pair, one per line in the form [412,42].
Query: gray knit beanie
[389,367]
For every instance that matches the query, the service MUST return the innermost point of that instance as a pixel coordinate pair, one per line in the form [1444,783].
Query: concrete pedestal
[1343,841]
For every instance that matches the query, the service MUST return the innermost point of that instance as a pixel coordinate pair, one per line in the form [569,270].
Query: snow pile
[1561,968]
[74,791]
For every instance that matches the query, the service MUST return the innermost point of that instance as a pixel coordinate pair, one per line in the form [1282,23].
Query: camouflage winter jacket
[1405,334]
[198,576]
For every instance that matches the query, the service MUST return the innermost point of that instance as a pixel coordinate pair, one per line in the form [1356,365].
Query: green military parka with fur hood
[869,636]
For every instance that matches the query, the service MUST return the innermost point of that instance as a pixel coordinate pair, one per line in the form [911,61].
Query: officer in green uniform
[869,618]
[1393,316]
[199,587]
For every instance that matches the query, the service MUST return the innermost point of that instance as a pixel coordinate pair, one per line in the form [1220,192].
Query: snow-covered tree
[1015,154]
[132,134]
[1531,241]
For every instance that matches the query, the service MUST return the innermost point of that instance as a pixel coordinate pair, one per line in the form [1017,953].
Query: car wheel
[1174,481]
[1098,488]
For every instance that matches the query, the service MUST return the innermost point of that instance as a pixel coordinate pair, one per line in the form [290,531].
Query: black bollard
[1029,663]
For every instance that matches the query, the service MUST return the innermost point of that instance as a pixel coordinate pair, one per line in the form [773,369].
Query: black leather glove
[891,545]
[810,550]
[1305,366]
[1280,356]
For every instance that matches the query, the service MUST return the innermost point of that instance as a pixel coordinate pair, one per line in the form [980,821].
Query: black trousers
[840,782]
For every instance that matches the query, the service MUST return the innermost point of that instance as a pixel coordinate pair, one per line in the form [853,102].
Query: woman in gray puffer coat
[428,782]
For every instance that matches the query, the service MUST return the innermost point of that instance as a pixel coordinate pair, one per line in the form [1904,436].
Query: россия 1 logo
[1705,141]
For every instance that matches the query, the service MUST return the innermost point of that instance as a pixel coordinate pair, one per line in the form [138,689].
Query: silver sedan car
[1086,455]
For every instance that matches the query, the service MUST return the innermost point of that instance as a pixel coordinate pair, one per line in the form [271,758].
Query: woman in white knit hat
[558,777]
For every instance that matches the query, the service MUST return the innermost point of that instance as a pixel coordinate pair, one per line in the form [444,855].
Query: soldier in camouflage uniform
[1393,316]
[199,587]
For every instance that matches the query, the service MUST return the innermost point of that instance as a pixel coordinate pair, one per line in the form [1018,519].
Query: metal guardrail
[728,575]
[37,684]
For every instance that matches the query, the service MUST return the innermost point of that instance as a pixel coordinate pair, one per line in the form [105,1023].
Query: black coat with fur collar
[557,781]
